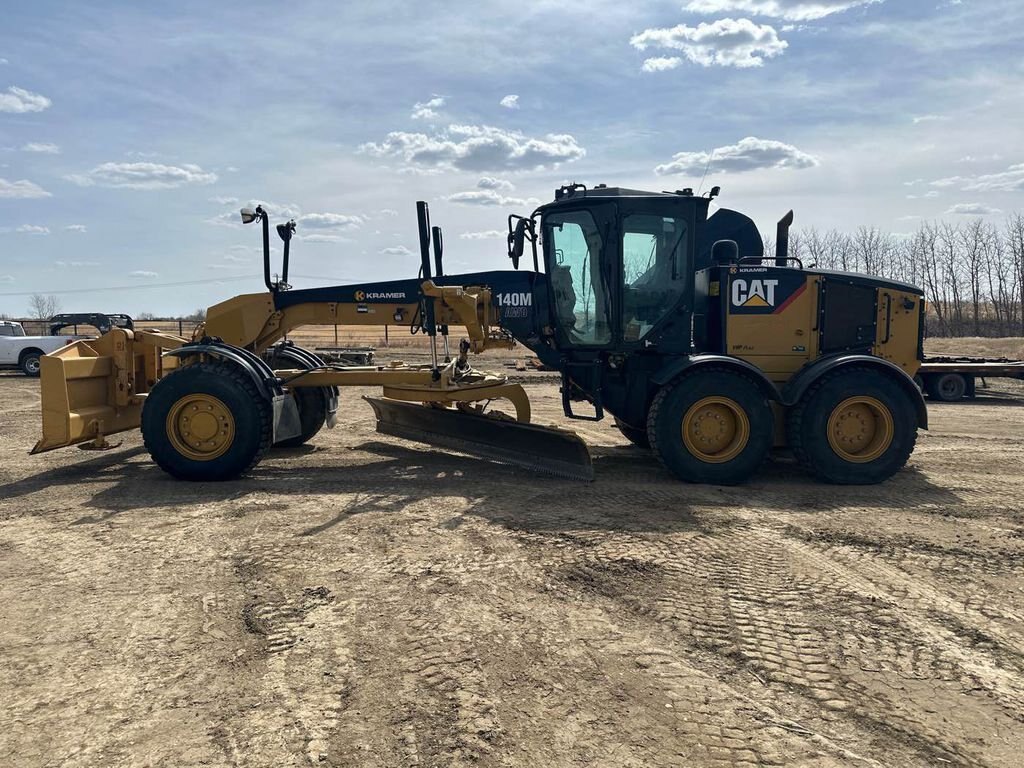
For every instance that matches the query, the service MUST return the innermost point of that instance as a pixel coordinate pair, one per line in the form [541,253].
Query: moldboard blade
[543,449]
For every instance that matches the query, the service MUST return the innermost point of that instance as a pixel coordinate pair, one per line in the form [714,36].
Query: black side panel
[849,316]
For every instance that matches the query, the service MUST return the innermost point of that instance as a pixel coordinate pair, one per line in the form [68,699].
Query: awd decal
[764,295]
[515,304]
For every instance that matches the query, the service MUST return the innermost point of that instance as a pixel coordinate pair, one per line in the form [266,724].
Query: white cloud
[43,148]
[143,176]
[19,101]
[75,228]
[490,182]
[661,63]
[427,110]
[396,250]
[478,148]
[76,264]
[490,234]
[510,102]
[918,119]
[143,274]
[4,61]
[790,10]
[224,200]
[387,212]
[1010,180]
[748,154]
[32,229]
[238,259]
[275,210]
[726,43]
[488,197]
[329,221]
[6,278]
[972,209]
[324,238]
[22,189]
[981,159]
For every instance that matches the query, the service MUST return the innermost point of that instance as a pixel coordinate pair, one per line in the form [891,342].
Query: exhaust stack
[782,240]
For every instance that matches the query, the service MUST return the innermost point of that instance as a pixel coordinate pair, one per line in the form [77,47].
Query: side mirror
[248,215]
[517,242]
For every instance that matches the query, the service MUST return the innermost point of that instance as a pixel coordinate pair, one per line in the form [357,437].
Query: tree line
[972,273]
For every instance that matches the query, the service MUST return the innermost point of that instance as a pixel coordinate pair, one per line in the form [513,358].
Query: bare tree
[43,307]
[1014,235]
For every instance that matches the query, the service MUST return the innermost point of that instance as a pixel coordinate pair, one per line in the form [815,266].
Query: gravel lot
[364,601]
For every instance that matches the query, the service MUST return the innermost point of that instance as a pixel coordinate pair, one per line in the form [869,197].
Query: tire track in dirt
[743,594]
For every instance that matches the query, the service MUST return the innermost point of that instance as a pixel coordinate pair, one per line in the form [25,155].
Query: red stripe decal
[793,297]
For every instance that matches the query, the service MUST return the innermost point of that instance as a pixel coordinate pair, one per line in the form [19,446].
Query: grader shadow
[631,490]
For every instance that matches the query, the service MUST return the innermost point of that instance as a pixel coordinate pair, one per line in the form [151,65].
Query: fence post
[386,343]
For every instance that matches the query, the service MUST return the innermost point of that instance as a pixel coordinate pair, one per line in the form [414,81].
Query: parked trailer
[949,379]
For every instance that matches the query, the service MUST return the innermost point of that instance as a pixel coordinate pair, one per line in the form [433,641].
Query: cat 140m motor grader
[670,320]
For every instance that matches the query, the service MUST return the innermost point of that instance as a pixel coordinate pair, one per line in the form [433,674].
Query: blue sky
[130,133]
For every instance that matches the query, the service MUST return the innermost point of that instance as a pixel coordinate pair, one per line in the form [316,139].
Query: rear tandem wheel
[855,426]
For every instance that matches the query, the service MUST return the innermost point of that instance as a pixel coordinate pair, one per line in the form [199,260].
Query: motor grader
[672,321]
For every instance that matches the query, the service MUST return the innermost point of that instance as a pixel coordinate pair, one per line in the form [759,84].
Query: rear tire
[311,402]
[856,426]
[711,426]
[207,421]
[947,387]
[312,415]
[636,436]
[29,363]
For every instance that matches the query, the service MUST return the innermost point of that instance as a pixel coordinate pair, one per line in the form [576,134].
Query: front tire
[856,426]
[207,421]
[713,426]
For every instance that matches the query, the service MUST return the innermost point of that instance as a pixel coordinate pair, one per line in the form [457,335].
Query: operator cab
[621,262]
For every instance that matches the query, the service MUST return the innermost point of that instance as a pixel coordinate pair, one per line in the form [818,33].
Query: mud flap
[286,418]
[549,450]
[331,420]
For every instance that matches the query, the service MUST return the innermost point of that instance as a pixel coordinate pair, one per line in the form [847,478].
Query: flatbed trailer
[949,379]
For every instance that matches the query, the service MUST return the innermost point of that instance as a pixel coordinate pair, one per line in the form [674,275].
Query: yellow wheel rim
[716,429]
[200,427]
[860,429]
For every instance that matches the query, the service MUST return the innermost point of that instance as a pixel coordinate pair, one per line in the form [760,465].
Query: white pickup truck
[21,351]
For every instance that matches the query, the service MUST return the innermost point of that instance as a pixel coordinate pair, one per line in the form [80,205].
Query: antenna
[706,168]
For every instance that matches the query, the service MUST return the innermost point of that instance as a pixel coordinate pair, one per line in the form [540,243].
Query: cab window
[655,265]
[574,249]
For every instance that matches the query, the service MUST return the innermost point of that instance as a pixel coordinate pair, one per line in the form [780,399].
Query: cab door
[579,252]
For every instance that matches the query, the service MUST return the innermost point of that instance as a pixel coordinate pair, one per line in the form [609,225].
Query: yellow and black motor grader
[668,319]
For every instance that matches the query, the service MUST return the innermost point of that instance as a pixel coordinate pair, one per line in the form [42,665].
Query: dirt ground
[368,602]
